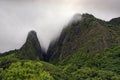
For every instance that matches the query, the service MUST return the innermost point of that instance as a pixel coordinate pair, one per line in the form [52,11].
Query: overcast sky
[46,17]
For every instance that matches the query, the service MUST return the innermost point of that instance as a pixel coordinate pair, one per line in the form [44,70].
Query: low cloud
[46,17]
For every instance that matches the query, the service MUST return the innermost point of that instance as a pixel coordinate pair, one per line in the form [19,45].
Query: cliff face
[89,35]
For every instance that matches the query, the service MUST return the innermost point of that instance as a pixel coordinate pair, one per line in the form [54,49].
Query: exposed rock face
[89,35]
[31,49]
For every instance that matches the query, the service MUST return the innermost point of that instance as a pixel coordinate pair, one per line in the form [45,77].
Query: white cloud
[47,17]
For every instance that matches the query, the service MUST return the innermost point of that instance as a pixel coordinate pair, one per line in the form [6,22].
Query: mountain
[31,49]
[87,49]
[88,35]
[27,63]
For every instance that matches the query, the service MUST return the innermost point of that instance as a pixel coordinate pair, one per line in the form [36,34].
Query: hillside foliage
[88,49]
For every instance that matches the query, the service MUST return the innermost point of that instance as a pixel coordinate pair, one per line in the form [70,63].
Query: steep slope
[31,49]
[25,63]
[88,35]
[89,49]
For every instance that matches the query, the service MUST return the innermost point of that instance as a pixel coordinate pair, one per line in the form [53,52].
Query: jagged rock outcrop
[88,35]
[31,49]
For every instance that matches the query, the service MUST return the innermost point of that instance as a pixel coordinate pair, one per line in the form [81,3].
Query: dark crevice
[45,56]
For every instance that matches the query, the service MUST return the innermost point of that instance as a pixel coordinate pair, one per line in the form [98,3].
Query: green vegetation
[90,34]
[79,66]
[98,67]
[86,73]
[33,70]
[26,71]
[86,50]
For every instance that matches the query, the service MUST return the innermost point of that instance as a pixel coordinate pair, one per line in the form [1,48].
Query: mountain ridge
[89,33]
[30,50]
[83,24]
[87,49]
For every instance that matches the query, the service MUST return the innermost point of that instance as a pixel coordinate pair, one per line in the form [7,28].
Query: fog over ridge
[46,17]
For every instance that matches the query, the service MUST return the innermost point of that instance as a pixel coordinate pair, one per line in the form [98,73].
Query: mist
[46,17]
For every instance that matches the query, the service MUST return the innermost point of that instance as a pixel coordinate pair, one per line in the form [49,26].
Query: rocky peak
[32,36]
[32,49]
